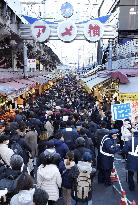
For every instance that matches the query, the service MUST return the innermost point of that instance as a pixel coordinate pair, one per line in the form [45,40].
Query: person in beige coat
[50,129]
[31,141]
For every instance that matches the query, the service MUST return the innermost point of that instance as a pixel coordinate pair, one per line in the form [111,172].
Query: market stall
[100,86]
[40,81]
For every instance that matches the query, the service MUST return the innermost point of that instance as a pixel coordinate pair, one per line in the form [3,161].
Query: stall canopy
[12,89]
[16,85]
[6,89]
[40,79]
[26,82]
[121,76]
[94,80]
[131,87]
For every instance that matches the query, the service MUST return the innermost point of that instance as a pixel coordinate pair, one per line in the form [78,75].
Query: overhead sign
[31,64]
[67,31]
[121,111]
[40,31]
[93,30]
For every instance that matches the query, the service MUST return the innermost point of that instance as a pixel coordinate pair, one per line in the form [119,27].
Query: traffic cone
[133,202]
[123,198]
[114,177]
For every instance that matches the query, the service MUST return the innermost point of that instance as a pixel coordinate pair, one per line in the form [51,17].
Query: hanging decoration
[67,10]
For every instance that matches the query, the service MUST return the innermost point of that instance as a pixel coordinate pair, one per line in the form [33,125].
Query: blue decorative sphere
[67,10]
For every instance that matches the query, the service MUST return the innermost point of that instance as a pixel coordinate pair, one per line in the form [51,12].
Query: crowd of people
[51,151]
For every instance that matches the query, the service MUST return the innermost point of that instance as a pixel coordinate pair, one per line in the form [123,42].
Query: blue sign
[121,111]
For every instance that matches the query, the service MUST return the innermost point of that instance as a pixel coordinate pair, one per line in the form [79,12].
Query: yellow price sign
[127,97]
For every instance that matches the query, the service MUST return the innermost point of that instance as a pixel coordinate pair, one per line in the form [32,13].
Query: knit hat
[50,144]
[113,131]
[16,162]
[87,157]
[3,138]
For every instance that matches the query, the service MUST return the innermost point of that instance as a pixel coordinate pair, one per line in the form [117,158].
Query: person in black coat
[131,149]
[9,175]
[14,170]
[70,135]
[100,133]
[81,149]
[68,176]
[88,141]
[60,146]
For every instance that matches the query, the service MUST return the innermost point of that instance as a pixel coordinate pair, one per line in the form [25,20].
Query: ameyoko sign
[67,31]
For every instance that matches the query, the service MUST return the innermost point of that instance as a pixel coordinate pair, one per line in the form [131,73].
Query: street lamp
[78,58]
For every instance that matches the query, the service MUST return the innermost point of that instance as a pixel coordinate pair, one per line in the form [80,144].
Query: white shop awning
[94,80]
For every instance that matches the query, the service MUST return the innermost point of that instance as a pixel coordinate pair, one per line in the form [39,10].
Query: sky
[77,50]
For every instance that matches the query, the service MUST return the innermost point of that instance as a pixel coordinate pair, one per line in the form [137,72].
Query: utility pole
[25,59]
[99,47]
[110,54]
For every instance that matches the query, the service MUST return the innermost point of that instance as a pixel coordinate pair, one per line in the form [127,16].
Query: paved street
[107,195]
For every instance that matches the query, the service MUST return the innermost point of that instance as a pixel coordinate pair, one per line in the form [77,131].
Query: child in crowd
[67,177]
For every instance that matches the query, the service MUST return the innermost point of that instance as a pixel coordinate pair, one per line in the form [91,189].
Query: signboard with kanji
[93,30]
[31,64]
[121,111]
[67,31]
[40,31]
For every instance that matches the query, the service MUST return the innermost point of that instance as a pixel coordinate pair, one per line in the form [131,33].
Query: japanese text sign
[93,30]
[121,111]
[67,31]
[31,64]
[40,31]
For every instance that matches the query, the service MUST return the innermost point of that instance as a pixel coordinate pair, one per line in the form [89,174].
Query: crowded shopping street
[68,102]
[63,137]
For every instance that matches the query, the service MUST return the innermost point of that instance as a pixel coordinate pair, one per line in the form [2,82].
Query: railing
[11,75]
[131,62]
[125,56]
[129,49]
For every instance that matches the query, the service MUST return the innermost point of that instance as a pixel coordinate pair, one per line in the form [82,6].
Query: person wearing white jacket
[5,151]
[49,178]
[126,131]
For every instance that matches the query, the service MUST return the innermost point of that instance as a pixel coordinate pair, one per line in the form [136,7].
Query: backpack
[8,184]
[84,185]
[17,148]
[11,184]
